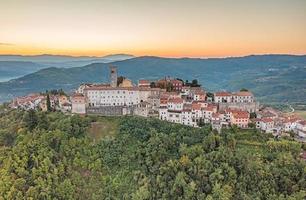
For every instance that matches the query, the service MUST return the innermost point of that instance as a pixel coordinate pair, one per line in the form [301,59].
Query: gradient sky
[173,28]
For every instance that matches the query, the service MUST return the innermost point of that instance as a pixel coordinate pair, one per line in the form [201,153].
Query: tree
[169,87]
[120,80]
[152,85]
[195,83]
[253,115]
[48,103]
[30,119]
[244,90]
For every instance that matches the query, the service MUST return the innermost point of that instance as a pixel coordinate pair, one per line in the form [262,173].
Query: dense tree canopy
[51,156]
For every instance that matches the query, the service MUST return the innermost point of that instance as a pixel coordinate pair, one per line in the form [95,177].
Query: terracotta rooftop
[176,100]
[266,120]
[303,122]
[243,93]
[241,114]
[196,106]
[199,92]
[175,81]
[144,82]
[215,115]
[223,94]
[209,108]
[187,107]
[77,95]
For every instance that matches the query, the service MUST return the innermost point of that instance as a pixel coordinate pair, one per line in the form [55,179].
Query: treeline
[50,156]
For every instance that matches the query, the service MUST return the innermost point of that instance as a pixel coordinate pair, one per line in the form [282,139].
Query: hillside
[14,69]
[65,61]
[273,78]
[51,156]
[15,66]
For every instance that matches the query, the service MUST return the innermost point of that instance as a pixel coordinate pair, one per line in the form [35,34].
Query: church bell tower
[113,76]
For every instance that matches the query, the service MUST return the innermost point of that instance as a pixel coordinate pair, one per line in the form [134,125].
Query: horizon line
[138,56]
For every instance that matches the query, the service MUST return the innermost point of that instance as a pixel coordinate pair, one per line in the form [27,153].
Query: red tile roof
[196,106]
[266,120]
[176,100]
[144,82]
[303,122]
[78,95]
[211,109]
[223,94]
[216,115]
[241,114]
[243,93]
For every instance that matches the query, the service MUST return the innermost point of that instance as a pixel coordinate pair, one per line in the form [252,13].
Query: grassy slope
[104,127]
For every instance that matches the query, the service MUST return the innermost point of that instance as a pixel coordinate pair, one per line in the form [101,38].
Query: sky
[169,28]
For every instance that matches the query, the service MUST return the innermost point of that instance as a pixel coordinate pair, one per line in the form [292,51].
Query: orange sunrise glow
[165,28]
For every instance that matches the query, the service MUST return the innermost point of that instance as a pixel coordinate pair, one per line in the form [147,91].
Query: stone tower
[113,76]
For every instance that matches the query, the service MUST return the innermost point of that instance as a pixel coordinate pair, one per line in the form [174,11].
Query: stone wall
[111,110]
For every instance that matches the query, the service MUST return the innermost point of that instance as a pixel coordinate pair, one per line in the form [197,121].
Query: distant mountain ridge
[47,58]
[14,66]
[273,78]
[15,69]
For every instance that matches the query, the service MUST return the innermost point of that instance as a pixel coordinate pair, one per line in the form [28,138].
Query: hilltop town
[169,99]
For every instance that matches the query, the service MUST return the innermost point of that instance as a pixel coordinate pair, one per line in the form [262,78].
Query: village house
[144,83]
[126,83]
[300,129]
[225,97]
[78,103]
[243,97]
[30,101]
[240,118]
[266,125]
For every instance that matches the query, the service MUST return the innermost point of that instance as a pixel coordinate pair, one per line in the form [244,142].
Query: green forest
[56,156]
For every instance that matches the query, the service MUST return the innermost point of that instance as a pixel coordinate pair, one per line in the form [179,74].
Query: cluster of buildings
[168,99]
[39,101]
[269,120]
[171,100]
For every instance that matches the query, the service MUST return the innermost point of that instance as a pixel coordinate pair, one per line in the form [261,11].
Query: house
[243,97]
[143,109]
[289,124]
[176,84]
[66,107]
[172,84]
[240,118]
[187,116]
[224,97]
[199,95]
[301,128]
[267,125]
[144,83]
[63,99]
[174,116]
[175,104]
[196,112]
[53,103]
[126,83]
[78,104]
[30,101]
[185,90]
[163,113]
[207,114]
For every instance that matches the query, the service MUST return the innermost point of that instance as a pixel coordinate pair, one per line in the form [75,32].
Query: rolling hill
[15,66]
[14,69]
[273,78]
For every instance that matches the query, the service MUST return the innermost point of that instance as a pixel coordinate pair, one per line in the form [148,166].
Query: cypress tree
[48,103]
